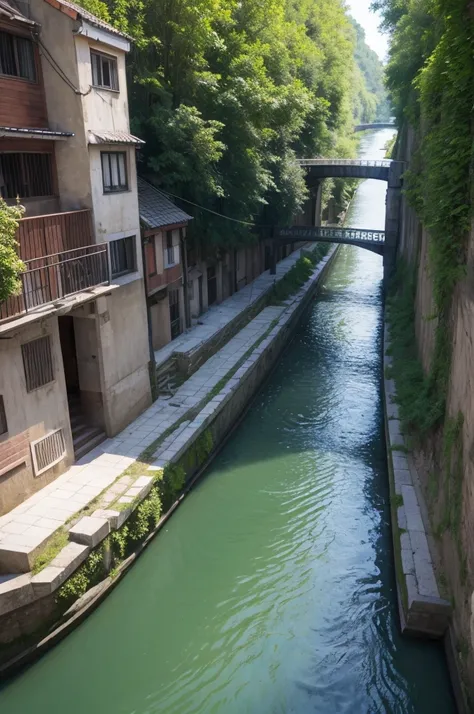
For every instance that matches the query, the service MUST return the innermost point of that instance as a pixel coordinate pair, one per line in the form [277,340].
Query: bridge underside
[369,240]
[318,172]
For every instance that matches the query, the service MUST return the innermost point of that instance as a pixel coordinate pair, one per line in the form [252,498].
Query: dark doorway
[175,318]
[211,285]
[201,305]
[67,339]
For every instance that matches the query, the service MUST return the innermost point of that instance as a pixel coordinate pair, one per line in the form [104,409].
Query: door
[175,318]
[201,306]
[67,339]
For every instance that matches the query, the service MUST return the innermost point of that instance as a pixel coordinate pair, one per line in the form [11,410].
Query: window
[170,257]
[104,71]
[122,256]
[17,57]
[151,257]
[38,363]
[3,417]
[26,175]
[114,171]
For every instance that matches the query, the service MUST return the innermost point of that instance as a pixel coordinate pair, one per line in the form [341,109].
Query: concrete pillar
[317,215]
[392,219]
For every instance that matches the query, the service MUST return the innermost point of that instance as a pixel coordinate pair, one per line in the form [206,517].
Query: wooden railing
[54,233]
[53,277]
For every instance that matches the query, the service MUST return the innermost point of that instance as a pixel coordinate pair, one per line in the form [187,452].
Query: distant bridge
[376,125]
[349,168]
[371,240]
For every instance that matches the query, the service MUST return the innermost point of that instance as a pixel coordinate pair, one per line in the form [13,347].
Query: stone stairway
[84,436]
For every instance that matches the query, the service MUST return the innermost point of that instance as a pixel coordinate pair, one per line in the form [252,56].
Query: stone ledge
[89,531]
[423,611]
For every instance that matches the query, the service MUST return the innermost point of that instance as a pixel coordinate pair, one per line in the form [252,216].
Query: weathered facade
[74,354]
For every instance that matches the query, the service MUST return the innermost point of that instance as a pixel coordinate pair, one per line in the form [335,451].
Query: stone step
[90,443]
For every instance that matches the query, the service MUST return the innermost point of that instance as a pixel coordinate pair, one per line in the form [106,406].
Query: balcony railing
[54,233]
[57,276]
[171,256]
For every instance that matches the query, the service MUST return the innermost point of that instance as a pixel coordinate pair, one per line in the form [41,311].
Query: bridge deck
[372,240]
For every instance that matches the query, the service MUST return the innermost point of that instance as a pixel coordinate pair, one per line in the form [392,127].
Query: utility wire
[49,58]
[209,210]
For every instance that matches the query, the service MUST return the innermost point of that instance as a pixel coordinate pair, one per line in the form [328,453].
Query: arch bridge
[375,125]
[371,240]
[350,168]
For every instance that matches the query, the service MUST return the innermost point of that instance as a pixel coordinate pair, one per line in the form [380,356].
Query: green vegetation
[10,264]
[431,79]
[371,103]
[53,548]
[299,274]
[227,93]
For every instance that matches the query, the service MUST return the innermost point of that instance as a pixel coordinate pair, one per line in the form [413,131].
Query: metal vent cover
[48,451]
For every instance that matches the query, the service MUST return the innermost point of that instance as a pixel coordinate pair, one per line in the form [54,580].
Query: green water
[271,590]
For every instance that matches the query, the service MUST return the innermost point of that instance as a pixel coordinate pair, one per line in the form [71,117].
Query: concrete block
[408,564]
[15,558]
[399,460]
[48,580]
[89,531]
[412,509]
[401,518]
[108,513]
[71,557]
[401,477]
[15,592]
[425,576]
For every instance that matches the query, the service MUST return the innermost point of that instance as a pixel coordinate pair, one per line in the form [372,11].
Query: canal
[271,590]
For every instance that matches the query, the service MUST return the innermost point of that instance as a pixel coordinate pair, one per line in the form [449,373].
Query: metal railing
[332,235]
[57,276]
[384,164]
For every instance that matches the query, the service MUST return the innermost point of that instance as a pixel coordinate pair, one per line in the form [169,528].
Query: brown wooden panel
[23,103]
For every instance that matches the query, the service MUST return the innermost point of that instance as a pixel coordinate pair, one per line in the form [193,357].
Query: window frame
[113,59]
[152,244]
[128,270]
[120,188]
[3,418]
[47,367]
[24,170]
[15,37]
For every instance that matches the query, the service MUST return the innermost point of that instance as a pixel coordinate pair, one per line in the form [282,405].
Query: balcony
[57,276]
[54,233]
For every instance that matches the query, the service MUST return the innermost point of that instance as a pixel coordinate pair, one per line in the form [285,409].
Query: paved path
[219,316]
[29,525]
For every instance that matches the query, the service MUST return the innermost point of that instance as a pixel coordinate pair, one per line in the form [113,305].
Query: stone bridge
[350,168]
[371,240]
[375,125]
[319,169]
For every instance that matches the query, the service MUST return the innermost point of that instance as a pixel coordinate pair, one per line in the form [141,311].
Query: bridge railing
[385,164]
[331,234]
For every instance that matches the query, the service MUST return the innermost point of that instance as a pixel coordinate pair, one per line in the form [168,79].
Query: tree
[10,264]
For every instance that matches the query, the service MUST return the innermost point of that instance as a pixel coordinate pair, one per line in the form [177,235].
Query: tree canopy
[227,93]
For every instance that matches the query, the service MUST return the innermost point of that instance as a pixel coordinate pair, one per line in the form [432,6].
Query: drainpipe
[184,261]
[148,312]
[273,263]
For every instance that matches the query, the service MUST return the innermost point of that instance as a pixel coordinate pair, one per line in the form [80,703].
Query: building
[74,348]
[164,235]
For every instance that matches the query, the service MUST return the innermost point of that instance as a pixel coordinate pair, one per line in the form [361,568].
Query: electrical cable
[60,72]
[209,210]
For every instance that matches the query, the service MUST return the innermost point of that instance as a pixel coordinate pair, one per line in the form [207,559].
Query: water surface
[272,589]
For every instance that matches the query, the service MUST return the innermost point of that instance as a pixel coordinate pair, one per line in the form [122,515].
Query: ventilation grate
[48,451]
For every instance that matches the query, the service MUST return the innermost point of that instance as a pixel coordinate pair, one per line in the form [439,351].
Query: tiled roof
[12,13]
[155,209]
[113,137]
[86,15]
[43,133]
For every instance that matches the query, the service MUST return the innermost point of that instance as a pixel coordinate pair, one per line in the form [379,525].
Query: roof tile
[155,209]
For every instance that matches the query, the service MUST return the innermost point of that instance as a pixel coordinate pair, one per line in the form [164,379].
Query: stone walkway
[219,316]
[25,530]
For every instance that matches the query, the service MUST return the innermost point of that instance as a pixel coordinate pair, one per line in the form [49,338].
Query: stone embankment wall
[447,478]
[30,629]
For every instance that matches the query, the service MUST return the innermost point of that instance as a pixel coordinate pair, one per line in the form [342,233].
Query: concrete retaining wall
[422,611]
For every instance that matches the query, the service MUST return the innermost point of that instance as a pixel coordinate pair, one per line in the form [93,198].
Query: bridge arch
[369,239]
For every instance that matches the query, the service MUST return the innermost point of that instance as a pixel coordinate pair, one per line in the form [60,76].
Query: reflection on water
[272,589]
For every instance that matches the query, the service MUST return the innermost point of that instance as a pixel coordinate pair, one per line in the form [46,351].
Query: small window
[104,71]
[25,175]
[17,57]
[114,171]
[38,363]
[122,256]
[3,417]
